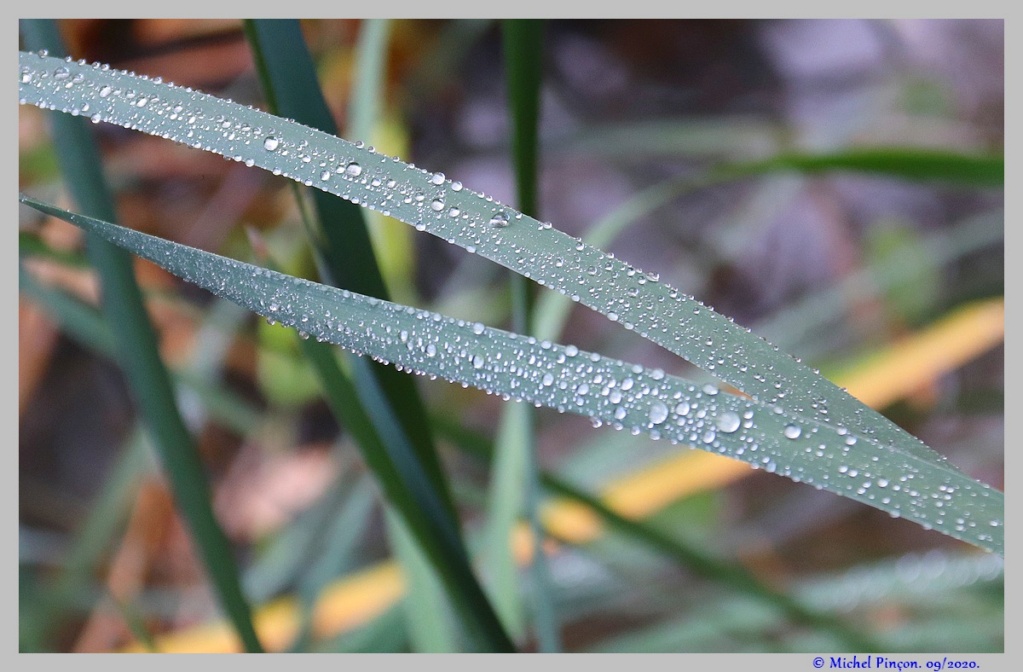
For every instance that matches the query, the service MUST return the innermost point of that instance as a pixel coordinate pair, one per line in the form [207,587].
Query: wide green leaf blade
[626,396]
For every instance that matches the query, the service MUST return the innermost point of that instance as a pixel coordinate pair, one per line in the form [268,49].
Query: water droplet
[477,328]
[271,144]
[792,431]
[682,408]
[436,205]
[456,186]
[61,73]
[547,380]
[728,422]
[454,212]
[710,390]
[658,413]
[477,362]
[437,178]
[499,220]
[325,175]
[353,169]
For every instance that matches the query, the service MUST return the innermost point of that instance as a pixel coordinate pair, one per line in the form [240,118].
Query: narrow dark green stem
[379,405]
[378,436]
[340,238]
[137,353]
[523,49]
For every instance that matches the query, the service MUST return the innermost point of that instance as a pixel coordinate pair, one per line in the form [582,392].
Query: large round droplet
[271,144]
[792,431]
[728,422]
[499,220]
[658,413]
[353,169]
[436,205]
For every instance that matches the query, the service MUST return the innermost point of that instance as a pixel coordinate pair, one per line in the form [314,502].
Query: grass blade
[903,162]
[340,238]
[402,449]
[768,436]
[523,51]
[424,594]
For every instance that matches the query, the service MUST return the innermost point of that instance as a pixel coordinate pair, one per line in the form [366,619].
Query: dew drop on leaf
[792,431]
[728,422]
[271,144]
[658,413]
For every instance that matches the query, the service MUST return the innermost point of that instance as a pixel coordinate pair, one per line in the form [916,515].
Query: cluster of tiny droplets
[561,377]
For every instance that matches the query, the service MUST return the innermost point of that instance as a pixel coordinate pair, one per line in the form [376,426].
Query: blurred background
[640,122]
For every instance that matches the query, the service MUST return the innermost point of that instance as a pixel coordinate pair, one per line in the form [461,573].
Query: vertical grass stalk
[139,358]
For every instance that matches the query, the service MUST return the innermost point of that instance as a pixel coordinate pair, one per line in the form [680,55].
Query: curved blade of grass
[343,248]
[849,463]
[432,203]
[341,241]
[424,592]
[140,361]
